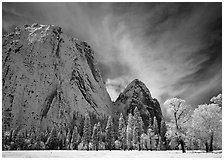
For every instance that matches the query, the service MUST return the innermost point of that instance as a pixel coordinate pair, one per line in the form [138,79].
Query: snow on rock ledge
[37,32]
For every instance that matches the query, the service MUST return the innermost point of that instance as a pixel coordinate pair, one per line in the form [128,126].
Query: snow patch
[108,154]
[37,32]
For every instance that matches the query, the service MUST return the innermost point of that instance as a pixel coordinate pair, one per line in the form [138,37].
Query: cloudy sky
[174,48]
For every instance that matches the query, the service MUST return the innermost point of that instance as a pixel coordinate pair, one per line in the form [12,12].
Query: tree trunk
[182,146]
[211,141]
[206,146]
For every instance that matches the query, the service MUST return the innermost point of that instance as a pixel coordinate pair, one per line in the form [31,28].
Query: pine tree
[75,137]
[159,143]
[151,135]
[141,125]
[99,129]
[19,141]
[68,138]
[150,121]
[52,141]
[156,132]
[60,139]
[86,132]
[95,137]
[136,129]
[109,134]
[129,132]
[63,138]
[155,126]
[101,144]
[163,134]
[143,141]
[32,136]
[122,131]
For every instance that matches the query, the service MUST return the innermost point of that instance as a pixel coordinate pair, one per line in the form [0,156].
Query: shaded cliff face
[47,77]
[137,94]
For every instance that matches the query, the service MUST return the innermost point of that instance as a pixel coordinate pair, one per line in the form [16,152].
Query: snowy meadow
[110,154]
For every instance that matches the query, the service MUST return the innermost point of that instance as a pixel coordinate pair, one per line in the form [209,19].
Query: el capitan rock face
[136,94]
[47,76]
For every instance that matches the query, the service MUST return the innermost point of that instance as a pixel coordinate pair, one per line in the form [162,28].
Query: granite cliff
[47,77]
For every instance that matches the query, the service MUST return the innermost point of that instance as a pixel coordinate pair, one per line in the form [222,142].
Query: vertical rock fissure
[82,87]
[89,59]
[58,48]
[47,104]
[6,58]
[4,76]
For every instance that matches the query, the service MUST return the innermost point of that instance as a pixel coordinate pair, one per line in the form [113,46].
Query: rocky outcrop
[137,94]
[47,76]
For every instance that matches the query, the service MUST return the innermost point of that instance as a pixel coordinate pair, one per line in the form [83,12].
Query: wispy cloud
[174,48]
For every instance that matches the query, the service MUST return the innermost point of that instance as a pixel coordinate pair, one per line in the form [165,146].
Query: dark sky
[174,48]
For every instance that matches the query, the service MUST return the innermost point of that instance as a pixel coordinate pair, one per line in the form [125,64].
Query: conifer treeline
[127,135]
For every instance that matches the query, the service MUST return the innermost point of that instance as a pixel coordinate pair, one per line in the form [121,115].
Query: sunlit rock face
[47,77]
[138,95]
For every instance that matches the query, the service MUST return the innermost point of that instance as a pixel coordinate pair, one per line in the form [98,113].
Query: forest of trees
[188,129]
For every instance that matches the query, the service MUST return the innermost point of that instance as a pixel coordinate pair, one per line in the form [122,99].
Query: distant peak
[136,81]
[136,86]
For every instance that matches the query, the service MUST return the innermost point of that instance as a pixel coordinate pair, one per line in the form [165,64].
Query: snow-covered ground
[110,154]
